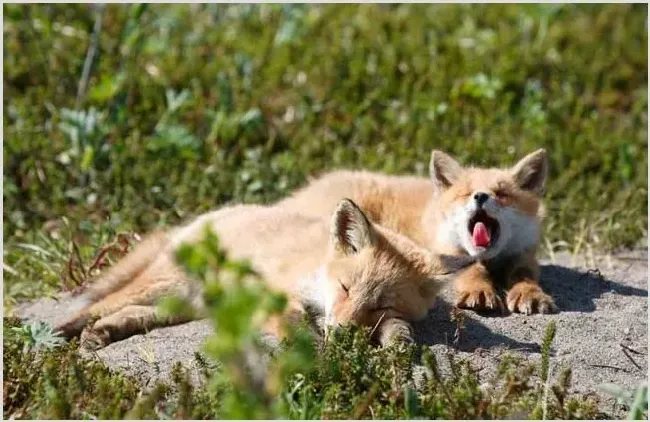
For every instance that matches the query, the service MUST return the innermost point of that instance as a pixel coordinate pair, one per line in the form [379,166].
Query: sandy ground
[602,328]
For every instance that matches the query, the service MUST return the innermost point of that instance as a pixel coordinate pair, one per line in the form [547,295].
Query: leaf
[175,102]
[619,393]
[38,336]
[87,158]
[107,88]
[411,403]
[34,248]
[639,406]
[173,306]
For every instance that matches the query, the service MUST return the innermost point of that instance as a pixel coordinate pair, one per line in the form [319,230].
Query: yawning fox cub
[349,270]
[488,213]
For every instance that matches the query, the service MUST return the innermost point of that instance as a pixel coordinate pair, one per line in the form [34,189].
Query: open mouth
[484,229]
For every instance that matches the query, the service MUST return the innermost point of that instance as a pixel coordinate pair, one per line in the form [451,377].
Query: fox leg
[394,329]
[74,325]
[128,321]
[475,290]
[525,294]
[119,275]
[161,279]
[276,325]
[133,310]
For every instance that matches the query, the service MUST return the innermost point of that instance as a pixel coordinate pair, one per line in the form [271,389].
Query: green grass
[55,383]
[187,108]
[352,379]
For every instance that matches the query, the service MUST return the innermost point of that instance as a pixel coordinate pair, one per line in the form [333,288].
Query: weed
[635,400]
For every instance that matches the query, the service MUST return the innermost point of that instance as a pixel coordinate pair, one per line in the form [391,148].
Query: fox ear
[530,172]
[350,230]
[443,169]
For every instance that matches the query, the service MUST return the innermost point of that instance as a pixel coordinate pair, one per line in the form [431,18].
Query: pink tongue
[481,235]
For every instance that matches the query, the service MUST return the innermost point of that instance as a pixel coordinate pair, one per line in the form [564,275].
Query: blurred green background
[178,109]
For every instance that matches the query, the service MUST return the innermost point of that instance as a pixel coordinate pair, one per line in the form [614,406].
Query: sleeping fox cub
[491,214]
[349,270]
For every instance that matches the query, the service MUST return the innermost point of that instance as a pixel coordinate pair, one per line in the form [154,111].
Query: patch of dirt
[602,328]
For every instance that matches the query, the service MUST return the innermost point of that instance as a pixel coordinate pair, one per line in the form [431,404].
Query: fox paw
[529,298]
[94,339]
[395,330]
[481,297]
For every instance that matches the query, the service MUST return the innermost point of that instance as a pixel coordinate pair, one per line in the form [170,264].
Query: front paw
[395,330]
[101,333]
[529,298]
[479,296]
[94,339]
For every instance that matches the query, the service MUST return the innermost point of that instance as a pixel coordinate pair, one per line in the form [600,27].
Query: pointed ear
[350,230]
[443,169]
[530,172]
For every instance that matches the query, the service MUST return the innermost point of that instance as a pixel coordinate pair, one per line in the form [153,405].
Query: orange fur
[351,270]
[435,213]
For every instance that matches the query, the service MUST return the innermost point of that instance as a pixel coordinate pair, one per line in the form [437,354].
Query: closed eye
[501,190]
[347,290]
[463,195]
[383,309]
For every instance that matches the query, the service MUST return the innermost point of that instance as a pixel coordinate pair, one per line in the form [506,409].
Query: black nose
[481,197]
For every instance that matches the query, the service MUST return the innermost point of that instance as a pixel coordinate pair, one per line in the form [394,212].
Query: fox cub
[491,214]
[347,270]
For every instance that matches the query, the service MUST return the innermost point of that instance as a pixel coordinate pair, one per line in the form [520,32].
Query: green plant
[37,335]
[635,400]
[239,303]
[54,382]
[58,383]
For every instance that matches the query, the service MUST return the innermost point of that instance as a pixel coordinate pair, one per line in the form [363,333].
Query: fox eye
[383,308]
[347,290]
[501,194]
